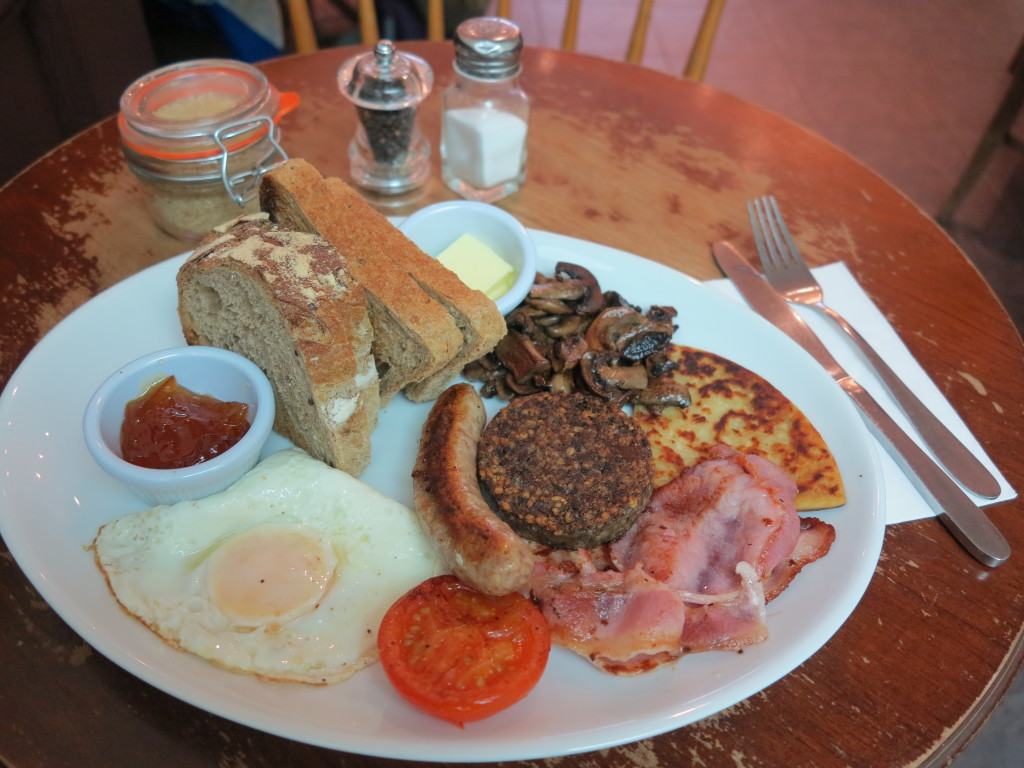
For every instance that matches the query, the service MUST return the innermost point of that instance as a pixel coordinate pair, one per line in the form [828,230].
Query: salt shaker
[388,154]
[485,112]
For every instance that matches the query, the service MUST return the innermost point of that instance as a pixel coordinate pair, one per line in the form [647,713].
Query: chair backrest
[696,63]
[304,31]
[369,30]
[700,51]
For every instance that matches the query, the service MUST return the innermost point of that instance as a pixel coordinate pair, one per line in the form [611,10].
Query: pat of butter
[478,266]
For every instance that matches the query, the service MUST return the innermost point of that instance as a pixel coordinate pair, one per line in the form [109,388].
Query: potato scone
[566,470]
[734,406]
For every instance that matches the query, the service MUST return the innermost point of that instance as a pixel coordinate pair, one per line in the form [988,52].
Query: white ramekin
[437,226]
[210,371]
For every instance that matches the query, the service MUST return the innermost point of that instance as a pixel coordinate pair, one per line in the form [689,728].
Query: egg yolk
[269,575]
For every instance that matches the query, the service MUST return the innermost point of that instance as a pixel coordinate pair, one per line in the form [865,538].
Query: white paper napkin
[844,294]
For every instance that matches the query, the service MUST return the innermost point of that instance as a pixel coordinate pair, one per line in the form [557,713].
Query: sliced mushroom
[616,299]
[489,363]
[643,339]
[501,389]
[627,332]
[477,370]
[568,289]
[662,394]
[568,351]
[606,377]
[662,314]
[625,376]
[592,299]
[562,381]
[520,356]
[569,335]
[659,363]
[550,306]
[528,387]
[590,371]
[567,326]
[521,319]
[599,333]
[547,321]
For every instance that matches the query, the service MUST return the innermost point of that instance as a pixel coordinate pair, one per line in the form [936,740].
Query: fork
[788,273]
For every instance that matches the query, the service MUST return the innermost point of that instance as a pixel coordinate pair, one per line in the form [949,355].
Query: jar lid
[488,48]
[385,79]
[200,108]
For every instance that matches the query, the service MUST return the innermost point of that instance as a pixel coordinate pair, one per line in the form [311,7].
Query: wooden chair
[700,52]
[301,22]
[696,64]
[304,31]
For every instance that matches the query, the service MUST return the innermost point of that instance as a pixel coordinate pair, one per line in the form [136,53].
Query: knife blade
[968,524]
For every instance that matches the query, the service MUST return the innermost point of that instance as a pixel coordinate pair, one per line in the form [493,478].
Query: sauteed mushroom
[659,363]
[605,375]
[521,357]
[592,299]
[662,395]
[570,289]
[569,335]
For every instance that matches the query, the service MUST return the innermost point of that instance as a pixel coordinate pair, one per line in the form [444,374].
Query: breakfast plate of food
[56,500]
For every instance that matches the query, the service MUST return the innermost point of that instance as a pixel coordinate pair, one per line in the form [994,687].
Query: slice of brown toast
[476,316]
[286,301]
[414,336]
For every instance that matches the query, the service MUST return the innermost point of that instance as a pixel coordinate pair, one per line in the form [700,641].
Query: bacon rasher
[693,574]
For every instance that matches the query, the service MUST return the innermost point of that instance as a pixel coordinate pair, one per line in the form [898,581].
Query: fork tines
[771,235]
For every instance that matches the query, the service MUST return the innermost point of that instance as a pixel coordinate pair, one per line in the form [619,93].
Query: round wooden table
[656,166]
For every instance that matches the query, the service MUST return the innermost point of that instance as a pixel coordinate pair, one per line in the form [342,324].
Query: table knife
[966,521]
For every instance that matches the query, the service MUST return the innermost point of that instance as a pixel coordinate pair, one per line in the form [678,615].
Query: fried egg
[285,575]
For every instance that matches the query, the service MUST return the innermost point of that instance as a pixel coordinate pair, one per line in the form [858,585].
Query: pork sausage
[480,548]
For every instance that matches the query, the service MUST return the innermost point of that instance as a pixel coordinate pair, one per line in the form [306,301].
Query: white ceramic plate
[53,498]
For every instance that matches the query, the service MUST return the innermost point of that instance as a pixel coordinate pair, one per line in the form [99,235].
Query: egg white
[369,549]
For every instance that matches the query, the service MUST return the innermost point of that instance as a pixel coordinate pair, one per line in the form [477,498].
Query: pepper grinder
[388,154]
[485,112]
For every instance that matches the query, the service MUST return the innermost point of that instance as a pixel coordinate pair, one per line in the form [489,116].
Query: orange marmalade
[169,426]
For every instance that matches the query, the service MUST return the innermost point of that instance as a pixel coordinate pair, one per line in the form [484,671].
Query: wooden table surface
[660,167]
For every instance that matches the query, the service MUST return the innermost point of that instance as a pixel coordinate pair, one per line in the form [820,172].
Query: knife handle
[950,452]
[965,520]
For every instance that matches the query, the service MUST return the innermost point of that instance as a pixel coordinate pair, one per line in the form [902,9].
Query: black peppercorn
[388,131]
[388,154]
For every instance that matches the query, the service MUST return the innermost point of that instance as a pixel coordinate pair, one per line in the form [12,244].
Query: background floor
[906,87]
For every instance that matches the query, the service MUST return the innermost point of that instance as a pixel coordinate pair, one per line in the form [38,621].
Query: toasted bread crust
[476,316]
[285,301]
[414,335]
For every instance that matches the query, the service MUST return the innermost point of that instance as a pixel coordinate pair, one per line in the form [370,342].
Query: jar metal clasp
[243,187]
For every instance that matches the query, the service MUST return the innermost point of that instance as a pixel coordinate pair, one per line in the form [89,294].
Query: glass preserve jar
[486,113]
[199,135]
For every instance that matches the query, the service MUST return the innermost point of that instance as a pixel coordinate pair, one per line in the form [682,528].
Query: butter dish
[437,227]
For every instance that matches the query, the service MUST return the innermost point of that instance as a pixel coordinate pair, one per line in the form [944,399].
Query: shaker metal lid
[488,48]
